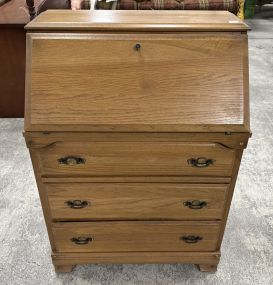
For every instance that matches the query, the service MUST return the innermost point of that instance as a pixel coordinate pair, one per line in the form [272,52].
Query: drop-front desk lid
[138,20]
[137,71]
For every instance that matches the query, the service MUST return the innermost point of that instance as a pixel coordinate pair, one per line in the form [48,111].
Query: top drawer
[83,158]
[192,82]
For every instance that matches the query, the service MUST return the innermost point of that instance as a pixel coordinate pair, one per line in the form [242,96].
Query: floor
[247,251]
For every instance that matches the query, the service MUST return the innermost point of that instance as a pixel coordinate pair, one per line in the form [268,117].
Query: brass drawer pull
[77,204]
[71,160]
[81,240]
[195,204]
[191,239]
[200,162]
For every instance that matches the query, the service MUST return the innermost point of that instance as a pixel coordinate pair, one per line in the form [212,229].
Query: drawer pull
[195,204]
[71,160]
[81,240]
[76,204]
[200,162]
[191,239]
[137,47]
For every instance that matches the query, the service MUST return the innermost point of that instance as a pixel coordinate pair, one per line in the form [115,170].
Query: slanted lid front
[133,81]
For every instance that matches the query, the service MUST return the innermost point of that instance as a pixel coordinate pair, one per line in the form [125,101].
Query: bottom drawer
[135,236]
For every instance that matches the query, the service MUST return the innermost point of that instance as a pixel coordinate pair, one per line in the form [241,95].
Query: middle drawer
[136,201]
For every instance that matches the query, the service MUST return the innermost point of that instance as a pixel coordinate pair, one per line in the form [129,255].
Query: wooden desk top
[137,20]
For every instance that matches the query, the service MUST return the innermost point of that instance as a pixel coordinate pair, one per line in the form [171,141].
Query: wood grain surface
[135,95]
[230,140]
[136,236]
[180,82]
[136,201]
[134,159]
[152,20]
[139,179]
[64,261]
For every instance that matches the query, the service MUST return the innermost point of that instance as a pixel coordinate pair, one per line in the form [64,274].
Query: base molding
[206,261]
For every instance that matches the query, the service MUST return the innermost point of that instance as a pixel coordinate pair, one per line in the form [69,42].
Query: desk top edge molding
[137,21]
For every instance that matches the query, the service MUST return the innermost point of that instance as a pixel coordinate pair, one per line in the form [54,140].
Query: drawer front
[104,81]
[135,159]
[135,236]
[135,201]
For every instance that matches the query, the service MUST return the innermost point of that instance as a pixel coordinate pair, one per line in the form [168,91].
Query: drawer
[135,201]
[85,158]
[135,236]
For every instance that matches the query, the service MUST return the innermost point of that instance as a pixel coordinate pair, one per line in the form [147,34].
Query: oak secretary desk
[136,122]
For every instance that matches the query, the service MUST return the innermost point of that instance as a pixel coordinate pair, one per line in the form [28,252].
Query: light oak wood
[136,201]
[235,171]
[134,159]
[135,117]
[164,21]
[64,259]
[63,268]
[141,179]
[207,267]
[44,200]
[135,236]
[197,71]
[228,139]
